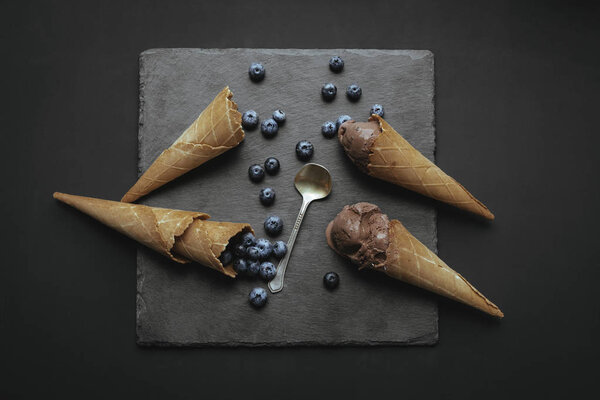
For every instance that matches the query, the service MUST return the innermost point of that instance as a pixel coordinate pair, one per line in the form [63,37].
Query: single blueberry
[279,117]
[253,253]
[258,297]
[331,280]
[353,92]
[267,196]
[226,257]
[377,109]
[328,129]
[253,268]
[240,266]
[256,72]
[248,239]
[328,92]
[265,248]
[273,225]
[336,64]
[304,150]
[279,249]
[267,271]
[272,165]
[341,119]
[256,173]
[269,128]
[250,120]
[239,250]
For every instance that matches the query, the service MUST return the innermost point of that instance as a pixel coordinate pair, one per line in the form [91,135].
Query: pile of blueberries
[250,257]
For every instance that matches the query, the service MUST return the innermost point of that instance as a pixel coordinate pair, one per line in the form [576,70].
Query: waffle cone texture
[394,160]
[182,236]
[412,262]
[216,130]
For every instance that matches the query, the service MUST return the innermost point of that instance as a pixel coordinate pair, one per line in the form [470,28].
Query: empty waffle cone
[216,130]
[363,234]
[183,236]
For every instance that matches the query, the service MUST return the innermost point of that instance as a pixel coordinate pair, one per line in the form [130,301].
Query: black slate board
[189,305]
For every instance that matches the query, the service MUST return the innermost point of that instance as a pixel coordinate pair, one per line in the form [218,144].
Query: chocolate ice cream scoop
[357,139]
[360,232]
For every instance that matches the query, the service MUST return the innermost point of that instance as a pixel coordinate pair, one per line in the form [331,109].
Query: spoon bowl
[313,181]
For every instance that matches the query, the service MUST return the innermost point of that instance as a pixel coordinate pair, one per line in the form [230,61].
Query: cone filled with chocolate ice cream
[363,234]
[216,130]
[378,150]
[182,236]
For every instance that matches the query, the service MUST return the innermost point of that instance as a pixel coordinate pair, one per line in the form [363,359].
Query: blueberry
[377,109]
[267,271]
[253,268]
[267,196]
[331,280]
[328,129]
[353,92]
[279,249]
[240,266]
[279,117]
[253,253]
[239,250]
[328,91]
[258,297]
[256,173]
[265,248]
[336,64]
[248,239]
[341,119]
[272,165]
[269,128]
[250,120]
[304,150]
[226,257]
[256,72]
[273,225]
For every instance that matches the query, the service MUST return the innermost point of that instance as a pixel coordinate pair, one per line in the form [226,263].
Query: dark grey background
[516,105]
[189,305]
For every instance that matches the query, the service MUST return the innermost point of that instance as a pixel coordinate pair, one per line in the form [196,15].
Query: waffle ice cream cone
[366,236]
[410,261]
[216,130]
[392,159]
[182,236]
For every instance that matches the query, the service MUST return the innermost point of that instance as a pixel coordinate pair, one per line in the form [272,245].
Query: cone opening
[237,116]
[233,240]
[227,269]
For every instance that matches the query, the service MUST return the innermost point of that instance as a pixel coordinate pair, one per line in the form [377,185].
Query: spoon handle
[276,285]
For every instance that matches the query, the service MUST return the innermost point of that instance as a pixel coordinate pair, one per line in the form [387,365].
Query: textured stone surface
[183,305]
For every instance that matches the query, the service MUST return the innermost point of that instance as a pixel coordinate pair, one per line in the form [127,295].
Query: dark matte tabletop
[516,104]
